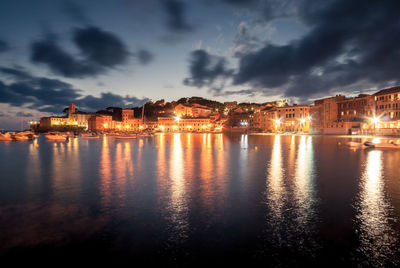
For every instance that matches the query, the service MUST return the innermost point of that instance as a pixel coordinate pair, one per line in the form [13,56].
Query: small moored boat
[55,137]
[5,137]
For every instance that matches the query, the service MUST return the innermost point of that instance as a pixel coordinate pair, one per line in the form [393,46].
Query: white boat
[21,137]
[55,137]
[390,145]
[5,137]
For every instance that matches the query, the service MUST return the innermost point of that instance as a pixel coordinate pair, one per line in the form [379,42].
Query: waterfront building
[324,115]
[53,121]
[264,120]
[387,105]
[355,114]
[100,122]
[294,118]
[80,119]
[357,109]
[185,124]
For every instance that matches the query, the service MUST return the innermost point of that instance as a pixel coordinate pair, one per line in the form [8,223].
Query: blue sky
[125,52]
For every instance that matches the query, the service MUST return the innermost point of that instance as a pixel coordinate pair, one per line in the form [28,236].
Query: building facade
[176,124]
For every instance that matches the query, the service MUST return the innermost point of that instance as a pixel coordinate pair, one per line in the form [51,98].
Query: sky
[101,53]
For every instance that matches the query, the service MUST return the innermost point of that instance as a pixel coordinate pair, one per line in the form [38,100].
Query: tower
[71,109]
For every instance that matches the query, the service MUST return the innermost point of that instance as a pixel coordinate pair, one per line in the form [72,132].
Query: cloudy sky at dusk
[98,53]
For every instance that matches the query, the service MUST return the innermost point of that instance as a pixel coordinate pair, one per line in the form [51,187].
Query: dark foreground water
[201,199]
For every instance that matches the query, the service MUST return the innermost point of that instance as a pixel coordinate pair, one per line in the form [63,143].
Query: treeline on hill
[152,110]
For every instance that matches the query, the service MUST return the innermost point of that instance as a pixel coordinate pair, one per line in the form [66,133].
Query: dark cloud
[109,99]
[101,47]
[348,42]
[61,62]
[144,56]
[100,51]
[52,95]
[175,10]
[15,73]
[3,46]
[205,69]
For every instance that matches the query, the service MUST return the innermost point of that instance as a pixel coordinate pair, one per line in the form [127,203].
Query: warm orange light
[127,126]
[118,126]
[105,125]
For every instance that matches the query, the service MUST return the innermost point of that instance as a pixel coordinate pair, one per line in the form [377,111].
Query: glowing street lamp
[177,118]
[375,120]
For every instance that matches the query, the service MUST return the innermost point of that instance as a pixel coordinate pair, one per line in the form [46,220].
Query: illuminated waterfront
[192,198]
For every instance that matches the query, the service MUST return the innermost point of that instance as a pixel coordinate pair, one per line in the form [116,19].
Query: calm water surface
[195,199]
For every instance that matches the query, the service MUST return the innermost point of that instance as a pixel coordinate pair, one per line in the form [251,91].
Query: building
[325,115]
[200,110]
[100,122]
[183,110]
[53,121]
[388,104]
[264,120]
[358,109]
[80,119]
[387,109]
[74,118]
[294,118]
[177,124]
[127,114]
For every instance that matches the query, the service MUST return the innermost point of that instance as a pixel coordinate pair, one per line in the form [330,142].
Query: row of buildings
[190,118]
[378,113]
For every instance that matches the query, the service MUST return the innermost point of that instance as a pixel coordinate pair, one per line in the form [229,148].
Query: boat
[389,145]
[21,137]
[55,137]
[125,137]
[364,145]
[5,137]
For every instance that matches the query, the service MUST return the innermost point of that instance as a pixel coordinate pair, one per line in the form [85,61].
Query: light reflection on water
[292,201]
[177,207]
[177,193]
[377,237]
